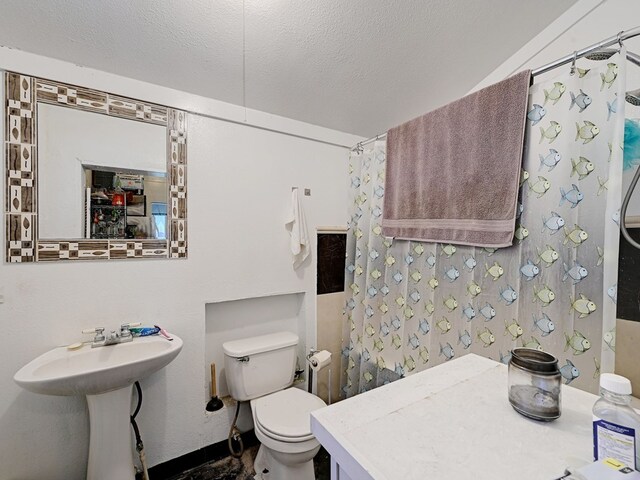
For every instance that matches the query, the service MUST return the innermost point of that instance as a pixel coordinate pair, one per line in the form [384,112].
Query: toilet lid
[286,413]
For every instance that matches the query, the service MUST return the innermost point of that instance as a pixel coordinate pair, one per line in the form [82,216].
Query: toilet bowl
[282,424]
[261,369]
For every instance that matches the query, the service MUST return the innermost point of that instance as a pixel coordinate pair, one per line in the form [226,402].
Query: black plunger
[215,403]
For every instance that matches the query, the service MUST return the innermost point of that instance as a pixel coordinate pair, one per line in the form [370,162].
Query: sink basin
[105,375]
[91,371]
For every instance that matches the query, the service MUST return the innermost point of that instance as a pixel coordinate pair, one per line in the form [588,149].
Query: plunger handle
[213,381]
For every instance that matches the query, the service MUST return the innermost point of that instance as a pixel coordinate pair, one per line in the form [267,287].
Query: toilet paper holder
[318,359]
[318,362]
[312,352]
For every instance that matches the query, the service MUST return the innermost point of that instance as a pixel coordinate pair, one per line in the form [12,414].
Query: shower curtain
[413,305]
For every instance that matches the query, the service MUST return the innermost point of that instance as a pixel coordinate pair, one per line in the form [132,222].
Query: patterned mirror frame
[22,93]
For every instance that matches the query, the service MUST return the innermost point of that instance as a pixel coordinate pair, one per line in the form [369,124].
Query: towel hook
[572,70]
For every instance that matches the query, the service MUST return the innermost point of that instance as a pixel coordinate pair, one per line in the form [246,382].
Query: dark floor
[322,465]
[230,468]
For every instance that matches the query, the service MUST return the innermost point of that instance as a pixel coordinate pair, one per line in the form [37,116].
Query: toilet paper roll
[319,360]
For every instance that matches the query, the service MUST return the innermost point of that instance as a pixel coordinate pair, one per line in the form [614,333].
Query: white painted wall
[240,181]
[585,23]
[69,139]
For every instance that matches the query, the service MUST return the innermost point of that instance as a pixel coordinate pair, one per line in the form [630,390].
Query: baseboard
[210,453]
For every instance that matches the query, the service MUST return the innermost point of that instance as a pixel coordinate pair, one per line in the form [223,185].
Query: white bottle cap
[615,383]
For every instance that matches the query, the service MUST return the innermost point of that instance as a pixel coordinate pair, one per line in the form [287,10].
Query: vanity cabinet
[452,421]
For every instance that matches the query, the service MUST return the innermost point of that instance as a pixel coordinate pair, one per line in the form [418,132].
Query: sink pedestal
[105,376]
[110,444]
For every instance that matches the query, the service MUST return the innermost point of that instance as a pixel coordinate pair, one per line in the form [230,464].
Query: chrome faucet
[113,337]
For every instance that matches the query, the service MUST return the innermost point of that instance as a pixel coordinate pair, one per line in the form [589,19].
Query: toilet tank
[257,366]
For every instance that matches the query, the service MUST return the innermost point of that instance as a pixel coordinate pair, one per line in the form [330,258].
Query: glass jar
[534,384]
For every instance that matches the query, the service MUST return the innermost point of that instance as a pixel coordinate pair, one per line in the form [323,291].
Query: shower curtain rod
[607,42]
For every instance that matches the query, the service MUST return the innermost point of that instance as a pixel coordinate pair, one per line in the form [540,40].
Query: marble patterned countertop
[453,421]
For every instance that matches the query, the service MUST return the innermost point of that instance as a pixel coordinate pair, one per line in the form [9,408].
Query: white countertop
[453,421]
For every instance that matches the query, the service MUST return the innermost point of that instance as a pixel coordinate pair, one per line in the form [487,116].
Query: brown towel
[453,174]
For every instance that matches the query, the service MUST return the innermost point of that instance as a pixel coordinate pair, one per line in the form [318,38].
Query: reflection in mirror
[125,203]
[100,176]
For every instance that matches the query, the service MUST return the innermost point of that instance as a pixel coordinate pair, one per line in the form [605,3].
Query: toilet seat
[284,415]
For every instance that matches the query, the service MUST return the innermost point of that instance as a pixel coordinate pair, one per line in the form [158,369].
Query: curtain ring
[572,71]
[619,38]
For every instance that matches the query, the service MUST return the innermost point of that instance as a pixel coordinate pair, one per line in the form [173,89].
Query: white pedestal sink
[105,376]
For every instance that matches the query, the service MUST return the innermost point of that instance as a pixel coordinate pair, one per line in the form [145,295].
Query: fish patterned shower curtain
[413,305]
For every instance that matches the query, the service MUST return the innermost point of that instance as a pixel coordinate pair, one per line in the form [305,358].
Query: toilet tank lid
[259,344]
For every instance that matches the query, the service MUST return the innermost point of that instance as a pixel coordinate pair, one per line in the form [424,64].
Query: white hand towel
[297,225]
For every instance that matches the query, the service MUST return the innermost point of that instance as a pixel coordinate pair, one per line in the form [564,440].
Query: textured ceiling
[359,66]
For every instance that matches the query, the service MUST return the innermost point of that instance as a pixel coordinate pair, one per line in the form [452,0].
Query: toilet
[261,369]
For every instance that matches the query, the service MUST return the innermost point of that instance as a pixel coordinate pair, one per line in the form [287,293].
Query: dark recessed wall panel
[332,248]
[628,306]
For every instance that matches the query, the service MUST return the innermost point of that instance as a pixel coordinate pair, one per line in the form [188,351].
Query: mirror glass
[100,176]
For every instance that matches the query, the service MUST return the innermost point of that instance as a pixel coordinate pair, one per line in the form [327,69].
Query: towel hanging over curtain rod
[607,42]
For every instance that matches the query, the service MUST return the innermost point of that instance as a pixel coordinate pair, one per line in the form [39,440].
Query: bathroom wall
[586,23]
[240,182]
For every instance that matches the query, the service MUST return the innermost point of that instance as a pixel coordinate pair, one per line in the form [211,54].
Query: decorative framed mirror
[91,175]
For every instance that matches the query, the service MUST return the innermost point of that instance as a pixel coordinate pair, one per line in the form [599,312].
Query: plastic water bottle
[616,426]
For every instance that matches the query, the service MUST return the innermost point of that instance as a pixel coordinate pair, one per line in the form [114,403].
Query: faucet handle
[124,328]
[127,326]
[99,331]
